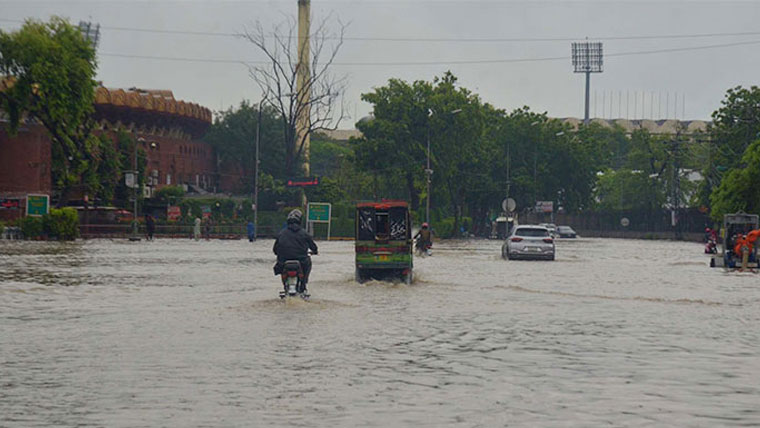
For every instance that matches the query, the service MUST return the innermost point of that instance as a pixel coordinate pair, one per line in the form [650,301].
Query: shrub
[32,227]
[62,223]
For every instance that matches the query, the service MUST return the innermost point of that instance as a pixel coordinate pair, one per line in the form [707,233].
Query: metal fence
[221,231]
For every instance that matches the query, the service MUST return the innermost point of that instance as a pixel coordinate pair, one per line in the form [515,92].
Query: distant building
[171,130]
[653,126]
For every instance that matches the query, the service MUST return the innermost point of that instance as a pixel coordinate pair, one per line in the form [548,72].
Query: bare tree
[317,103]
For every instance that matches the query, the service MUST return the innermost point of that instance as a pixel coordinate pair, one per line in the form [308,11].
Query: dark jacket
[293,243]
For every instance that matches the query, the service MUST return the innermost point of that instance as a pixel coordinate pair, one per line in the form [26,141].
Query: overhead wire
[438,62]
[439,39]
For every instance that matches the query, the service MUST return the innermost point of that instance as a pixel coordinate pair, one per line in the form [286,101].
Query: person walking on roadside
[207,229]
[197,229]
[251,229]
[150,226]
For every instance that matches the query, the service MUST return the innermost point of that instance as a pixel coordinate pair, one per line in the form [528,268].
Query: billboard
[173,213]
[544,206]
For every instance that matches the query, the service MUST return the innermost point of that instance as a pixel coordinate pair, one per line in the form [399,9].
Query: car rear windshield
[531,232]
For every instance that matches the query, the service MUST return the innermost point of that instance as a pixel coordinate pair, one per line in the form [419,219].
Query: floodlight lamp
[587,57]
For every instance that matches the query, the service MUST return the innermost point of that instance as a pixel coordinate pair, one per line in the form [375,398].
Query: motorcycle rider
[293,243]
[424,237]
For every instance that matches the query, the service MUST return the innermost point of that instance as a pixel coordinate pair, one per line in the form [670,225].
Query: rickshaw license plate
[382,258]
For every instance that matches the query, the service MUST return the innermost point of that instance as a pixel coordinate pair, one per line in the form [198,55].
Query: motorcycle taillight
[292,273]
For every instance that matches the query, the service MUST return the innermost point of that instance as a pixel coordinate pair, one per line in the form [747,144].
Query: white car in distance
[529,242]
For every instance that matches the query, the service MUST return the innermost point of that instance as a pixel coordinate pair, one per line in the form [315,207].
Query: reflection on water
[184,333]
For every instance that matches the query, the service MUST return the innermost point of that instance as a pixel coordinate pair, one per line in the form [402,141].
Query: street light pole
[256,177]
[135,236]
[509,181]
[428,173]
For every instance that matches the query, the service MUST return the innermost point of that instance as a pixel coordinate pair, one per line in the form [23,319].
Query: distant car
[552,228]
[566,232]
[529,242]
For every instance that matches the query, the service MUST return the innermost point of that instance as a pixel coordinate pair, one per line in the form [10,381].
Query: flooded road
[192,334]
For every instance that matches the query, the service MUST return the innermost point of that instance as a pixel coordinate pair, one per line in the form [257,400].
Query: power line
[424,63]
[440,39]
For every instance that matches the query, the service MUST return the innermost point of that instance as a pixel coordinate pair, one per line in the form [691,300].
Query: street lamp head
[459,110]
[560,133]
[535,123]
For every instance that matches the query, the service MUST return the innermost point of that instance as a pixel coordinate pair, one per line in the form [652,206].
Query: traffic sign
[508,205]
[318,212]
[37,205]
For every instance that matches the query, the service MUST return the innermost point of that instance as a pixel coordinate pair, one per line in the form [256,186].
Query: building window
[168,179]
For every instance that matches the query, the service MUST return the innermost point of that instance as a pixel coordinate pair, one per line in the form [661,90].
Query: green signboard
[318,212]
[37,205]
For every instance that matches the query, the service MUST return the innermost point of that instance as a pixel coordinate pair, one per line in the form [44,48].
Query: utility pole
[303,89]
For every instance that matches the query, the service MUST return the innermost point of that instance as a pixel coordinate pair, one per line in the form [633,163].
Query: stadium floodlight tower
[587,58]
[90,32]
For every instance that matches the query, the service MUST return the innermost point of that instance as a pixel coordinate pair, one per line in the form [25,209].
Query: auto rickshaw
[383,241]
[735,228]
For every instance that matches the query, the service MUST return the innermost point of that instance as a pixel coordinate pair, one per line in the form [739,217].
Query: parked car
[566,232]
[529,242]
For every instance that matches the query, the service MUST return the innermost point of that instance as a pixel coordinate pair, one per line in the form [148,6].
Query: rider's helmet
[295,216]
[424,225]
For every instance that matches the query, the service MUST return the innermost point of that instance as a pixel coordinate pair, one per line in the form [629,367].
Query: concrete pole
[588,87]
[304,74]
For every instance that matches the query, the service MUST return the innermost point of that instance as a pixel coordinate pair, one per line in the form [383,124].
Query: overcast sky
[699,76]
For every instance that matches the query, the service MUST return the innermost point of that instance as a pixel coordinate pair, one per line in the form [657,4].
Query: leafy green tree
[50,68]
[736,124]
[740,188]
[233,136]
[394,141]
[627,190]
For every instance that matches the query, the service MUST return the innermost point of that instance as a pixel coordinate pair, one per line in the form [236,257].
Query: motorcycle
[292,280]
[424,249]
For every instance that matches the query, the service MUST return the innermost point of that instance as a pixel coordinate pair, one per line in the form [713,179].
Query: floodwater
[191,334]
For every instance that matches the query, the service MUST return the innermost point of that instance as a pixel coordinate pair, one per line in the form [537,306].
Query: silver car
[529,242]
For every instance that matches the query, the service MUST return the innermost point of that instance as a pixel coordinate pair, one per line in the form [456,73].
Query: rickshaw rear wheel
[360,275]
[408,278]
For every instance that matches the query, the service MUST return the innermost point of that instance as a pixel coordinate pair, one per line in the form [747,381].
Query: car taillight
[548,240]
[515,239]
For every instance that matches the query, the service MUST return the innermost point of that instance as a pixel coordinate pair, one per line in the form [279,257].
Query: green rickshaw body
[383,242]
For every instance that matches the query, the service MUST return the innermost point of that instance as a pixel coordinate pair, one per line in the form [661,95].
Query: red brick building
[169,130]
